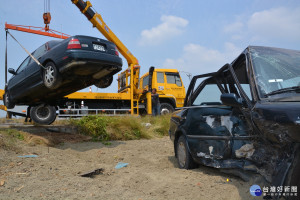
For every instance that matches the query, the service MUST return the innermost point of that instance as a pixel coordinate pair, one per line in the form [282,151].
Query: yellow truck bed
[95,95]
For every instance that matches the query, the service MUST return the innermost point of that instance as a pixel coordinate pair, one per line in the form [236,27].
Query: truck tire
[51,76]
[166,108]
[104,82]
[43,114]
[7,101]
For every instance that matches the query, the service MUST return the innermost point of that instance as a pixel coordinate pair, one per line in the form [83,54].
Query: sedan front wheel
[184,158]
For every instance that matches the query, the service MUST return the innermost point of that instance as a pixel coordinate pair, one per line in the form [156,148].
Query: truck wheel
[104,82]
[166,108]
[51,76]
[184,158]
[43,114]
[7,101]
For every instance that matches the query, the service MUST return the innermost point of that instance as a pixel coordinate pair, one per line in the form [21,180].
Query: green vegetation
[15,134]
[104,128]
[9,138]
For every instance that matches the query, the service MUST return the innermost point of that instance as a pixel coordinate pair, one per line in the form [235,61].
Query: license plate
[98,47]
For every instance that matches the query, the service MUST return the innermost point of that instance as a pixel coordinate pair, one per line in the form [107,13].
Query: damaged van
[245,117]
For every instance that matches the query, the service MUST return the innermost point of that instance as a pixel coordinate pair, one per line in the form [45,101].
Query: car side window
[210,95]
[23,65]
[145,81]
[174,78]
[39,52]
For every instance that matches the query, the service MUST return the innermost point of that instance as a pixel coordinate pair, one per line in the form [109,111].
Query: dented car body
[245,117]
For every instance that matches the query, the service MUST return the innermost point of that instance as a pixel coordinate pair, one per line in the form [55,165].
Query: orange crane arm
[37,30]
[97,21]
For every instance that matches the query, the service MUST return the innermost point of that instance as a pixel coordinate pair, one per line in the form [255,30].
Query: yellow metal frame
[2,107]
[133,70]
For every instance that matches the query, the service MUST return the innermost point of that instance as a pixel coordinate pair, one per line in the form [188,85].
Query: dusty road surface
[152,173]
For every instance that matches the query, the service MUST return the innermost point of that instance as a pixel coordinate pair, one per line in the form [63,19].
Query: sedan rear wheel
[51,76]
[7,101]
[43,114]
[184,158]
[104,82]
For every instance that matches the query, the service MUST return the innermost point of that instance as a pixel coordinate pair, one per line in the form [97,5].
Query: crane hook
[47,15]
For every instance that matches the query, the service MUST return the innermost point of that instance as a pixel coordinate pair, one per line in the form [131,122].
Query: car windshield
[276,70]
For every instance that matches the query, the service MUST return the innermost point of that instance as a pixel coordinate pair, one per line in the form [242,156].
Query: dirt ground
[152,172]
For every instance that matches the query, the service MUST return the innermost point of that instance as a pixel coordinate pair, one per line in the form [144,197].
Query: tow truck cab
[169,87]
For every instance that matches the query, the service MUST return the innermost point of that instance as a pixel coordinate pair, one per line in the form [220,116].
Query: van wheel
[43,114]
[166,108]
[7,101]
[184,158]
[51,76]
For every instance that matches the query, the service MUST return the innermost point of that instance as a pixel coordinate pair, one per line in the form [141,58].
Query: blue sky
[195,36]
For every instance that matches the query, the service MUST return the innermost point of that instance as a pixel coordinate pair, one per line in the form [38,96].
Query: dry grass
[105,128]
[12,120]
[22,121]
[10,139]
[100,128]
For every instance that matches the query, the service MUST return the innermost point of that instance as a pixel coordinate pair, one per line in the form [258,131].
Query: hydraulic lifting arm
[134,69]
[97,21]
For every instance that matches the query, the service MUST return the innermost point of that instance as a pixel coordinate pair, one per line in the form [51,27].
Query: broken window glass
[275,69]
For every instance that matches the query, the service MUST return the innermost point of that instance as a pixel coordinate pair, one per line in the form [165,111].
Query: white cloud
[277,23]
[170,27]
[234,27]
[198,59]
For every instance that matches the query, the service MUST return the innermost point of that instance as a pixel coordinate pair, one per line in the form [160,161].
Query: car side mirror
[230,99]
[12,71]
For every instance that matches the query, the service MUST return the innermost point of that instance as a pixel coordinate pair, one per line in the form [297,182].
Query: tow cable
[26,50]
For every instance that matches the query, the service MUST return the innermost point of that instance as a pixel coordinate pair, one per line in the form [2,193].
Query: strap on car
[6,60]
[33,58]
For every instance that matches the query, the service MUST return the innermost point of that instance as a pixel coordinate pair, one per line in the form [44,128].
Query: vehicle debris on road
[93,173]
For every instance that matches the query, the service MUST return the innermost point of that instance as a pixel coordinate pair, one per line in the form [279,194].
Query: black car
[244,117]
[66,66]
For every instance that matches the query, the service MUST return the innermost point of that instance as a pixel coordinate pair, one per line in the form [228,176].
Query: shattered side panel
[279,122]
[214,134]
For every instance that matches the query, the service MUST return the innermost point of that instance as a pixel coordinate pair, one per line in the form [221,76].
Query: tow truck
[134,93]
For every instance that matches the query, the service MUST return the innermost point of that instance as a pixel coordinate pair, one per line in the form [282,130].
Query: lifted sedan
[67,66]
[244,117]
